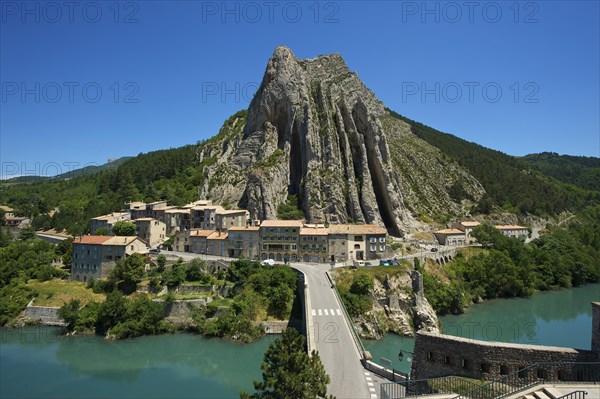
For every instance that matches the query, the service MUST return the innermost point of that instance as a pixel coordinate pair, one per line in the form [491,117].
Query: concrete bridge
[329,333]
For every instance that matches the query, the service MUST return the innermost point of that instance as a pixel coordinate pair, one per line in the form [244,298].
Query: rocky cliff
[314,130]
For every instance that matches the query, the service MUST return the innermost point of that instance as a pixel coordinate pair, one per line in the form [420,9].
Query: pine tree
[289,373]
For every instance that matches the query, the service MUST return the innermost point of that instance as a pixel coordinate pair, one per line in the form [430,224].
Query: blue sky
[94,80]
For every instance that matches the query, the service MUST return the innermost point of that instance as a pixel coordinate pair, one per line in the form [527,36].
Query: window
[294,247]
[430,356]
[464,363]
[542,374]
[504,369]
[446,359]
[382,247]
[373,240]
[373,248]
[522,373]
[485,367]
[381,239]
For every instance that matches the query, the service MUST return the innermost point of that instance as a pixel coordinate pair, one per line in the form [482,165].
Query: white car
[269,262]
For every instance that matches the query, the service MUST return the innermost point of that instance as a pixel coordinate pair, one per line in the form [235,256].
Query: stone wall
[193,288]
[181,309]
[596,326]
[45,315]
[438,355]
[277,327]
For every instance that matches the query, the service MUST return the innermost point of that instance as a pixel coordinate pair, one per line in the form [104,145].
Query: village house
[225,219]
[244,242]
[15,224]
[153,231]
[203,217]
[8,211]
[452,237]
[466,227]
[513,231]
[217,244]
[136,209]
[176,220]
[312,246]
[279,240]
[95,256]
[107,221]
[349,242]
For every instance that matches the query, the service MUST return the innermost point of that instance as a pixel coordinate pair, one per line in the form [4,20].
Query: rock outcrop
[314,130]
[397,308]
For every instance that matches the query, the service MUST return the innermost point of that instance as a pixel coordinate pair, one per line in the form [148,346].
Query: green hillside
[582,172]
[509,181]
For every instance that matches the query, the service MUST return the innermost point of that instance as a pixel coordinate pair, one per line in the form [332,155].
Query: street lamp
[401,355]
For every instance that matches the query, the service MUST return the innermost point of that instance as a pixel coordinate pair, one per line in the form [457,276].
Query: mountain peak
[315,131]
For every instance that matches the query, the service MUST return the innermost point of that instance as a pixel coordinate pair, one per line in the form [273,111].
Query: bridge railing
[539,373]
[431,386]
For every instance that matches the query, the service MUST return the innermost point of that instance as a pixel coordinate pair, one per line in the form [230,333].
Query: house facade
[313,245]
[279,240]
[513,231]
[203,217]
[350,242]
[94,256]
[153,231]
[466,227]
[225,219]
[244,242]
[217,243]
[451,237]
[107,221]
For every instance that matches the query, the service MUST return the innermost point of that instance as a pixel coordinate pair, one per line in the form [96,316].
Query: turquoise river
[37,362]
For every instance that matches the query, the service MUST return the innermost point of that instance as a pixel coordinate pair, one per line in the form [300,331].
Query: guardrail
[574,395]
[431,386]
[536,374]
[355,337]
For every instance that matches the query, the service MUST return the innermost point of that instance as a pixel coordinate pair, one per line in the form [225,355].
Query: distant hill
[88,170]
[580,171]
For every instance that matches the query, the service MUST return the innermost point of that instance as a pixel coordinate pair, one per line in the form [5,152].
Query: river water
[555,318]
[36,362]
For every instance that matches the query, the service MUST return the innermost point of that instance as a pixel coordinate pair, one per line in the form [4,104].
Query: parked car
[269,262]
[434,249]
[384,262]
[154,251]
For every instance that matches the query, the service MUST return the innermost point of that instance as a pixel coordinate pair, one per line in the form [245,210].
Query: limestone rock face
[314,130]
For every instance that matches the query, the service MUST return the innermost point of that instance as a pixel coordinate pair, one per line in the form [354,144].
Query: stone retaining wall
[182,308]
[438,355]
[45,315]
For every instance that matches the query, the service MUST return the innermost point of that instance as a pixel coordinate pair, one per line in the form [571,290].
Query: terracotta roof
[114,215]
[178,210]
[313,231]
[510,227]
[231,211]
[244,228]
[121,240]
[200,233]
[356,229]
[470,224]
[450,232]
[218,236]
[91,240]
[281,223]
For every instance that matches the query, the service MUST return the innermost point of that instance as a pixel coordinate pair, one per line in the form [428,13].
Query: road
[333,339]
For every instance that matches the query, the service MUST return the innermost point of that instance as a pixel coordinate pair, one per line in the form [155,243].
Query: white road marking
[314,312]
[373,396]
[369,379]
[371,389]
[367,373]
[326,313]
[338,312]
[331,310]
[320,313]
[370,384]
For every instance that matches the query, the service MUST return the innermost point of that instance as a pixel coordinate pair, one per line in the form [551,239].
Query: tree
[102,231]
[112,312]
[161,261]
[195,270]
[486,234]
[123,228]
[362,284]
[69,312]
[129,270]
[289,373]
[27,233]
